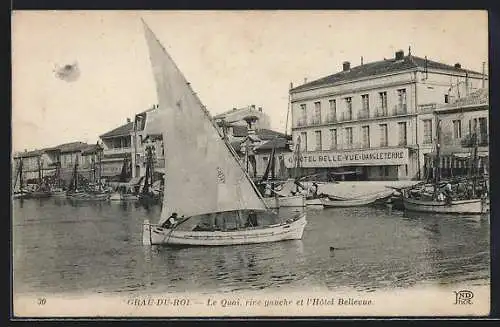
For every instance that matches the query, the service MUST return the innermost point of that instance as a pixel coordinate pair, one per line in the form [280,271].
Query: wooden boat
[278,195]
[206,185]
[285,201]
[349,203]
[19,191]
[473,206]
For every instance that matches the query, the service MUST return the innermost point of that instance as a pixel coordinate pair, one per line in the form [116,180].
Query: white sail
[202,176]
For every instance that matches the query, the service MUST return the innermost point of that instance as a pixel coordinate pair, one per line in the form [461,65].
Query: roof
[120,131]
[69,147]
[380,67]
[478,97]
[91,148]
[268,134]
[235,110]
[281,143]
[28,154]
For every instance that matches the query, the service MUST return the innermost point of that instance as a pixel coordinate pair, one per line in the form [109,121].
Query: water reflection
[71,246]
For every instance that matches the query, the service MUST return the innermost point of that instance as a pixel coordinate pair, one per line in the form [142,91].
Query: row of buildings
[120,154]
[379,120]
[374,121]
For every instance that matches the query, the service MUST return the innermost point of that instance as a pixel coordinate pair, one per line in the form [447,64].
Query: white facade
[383,112]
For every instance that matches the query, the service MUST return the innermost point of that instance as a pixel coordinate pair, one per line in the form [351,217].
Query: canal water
[60,247]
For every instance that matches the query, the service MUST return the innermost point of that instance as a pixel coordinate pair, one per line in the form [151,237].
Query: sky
[231,58]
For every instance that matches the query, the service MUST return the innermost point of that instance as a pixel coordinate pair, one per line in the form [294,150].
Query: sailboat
[206,187]
[79,193]
[148,195]
[274,199]
[20,192]
[473,205]
[42,190]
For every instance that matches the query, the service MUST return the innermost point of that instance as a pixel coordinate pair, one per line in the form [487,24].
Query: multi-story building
[117,150]
[459,122]
[375,119]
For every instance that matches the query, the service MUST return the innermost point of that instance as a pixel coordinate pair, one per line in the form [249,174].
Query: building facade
[375,120]
[460,122]
[45,162]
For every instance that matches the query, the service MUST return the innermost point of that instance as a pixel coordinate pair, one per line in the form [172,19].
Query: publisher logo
[463,297]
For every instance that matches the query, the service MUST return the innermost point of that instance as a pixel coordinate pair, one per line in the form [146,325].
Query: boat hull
[315,203]
[89,197]
[348,203]
[285,201]
[154,235]
[474,206]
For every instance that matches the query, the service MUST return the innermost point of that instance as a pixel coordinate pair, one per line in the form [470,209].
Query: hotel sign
[325,159]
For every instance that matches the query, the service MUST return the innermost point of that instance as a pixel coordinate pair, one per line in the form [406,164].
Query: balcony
[381,112]
[363,114]
[468,141]
[400,109]
[316,121]
[301,123]
[427,108]
[117,150]
[346,116]
[331,119]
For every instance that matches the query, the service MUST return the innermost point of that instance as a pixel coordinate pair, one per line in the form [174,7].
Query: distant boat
[356,202]
[79,194]
[206,187]
[19,192]
[473,206]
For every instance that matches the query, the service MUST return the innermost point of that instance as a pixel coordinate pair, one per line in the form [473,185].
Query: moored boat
[285,201]
[206,186]
[355,202]
[472,206]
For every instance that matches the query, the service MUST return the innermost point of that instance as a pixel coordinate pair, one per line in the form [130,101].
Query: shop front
[366,164]
[455,164]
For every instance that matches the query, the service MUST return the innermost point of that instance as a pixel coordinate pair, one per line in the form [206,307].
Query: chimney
[234,109]
[346,65]
[399,55]
[361,60]
[253,107]
[457,65]
[128,120]
[260,109]
[305,80]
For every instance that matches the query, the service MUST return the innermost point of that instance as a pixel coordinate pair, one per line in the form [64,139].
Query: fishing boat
[355,202]
[436,202]
[77,192]
[42,190]
[274,195]
[148,194]
[19,191]
[206,187]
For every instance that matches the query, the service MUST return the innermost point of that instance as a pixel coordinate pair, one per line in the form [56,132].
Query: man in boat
[448,193]
[171,221]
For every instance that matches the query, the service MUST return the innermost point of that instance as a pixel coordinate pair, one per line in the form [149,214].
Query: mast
[437,162]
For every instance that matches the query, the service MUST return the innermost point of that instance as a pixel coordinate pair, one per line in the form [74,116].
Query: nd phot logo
[463,297]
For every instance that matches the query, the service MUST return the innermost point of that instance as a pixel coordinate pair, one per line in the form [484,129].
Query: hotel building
[375,121]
